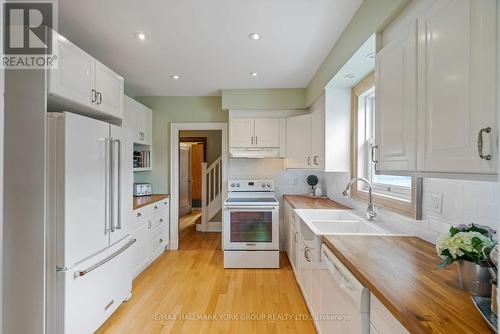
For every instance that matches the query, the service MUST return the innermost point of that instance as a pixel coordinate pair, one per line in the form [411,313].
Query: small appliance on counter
[142,189]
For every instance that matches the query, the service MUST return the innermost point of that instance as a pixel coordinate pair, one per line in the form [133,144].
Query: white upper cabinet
[84,85]
[254,132]
[109,91]
[457,86]
[396,103]
[298,141]
[242,132]
[138,118]
[267,132]
[318,134]
[74,78]
[435,90]
[321,139]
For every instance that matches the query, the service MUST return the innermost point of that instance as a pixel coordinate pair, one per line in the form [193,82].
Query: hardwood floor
[190,219]
[189,291]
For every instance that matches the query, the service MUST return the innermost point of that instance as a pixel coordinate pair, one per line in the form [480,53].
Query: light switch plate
[435,202]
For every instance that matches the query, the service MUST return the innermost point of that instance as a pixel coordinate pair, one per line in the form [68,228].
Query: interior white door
[109,87]
[298,142]
[241,132]
[85,227]
[318,134]
[267,132]
[122,182]
[457,84]
[396,103]
[74,78]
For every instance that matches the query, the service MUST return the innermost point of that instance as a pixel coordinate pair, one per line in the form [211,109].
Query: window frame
[411,207]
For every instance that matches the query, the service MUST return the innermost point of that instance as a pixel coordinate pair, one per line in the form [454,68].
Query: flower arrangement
[465,243]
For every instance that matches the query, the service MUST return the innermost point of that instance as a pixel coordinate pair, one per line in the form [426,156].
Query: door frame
[175,129]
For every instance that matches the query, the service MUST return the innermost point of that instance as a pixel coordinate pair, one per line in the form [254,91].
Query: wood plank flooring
[189,291]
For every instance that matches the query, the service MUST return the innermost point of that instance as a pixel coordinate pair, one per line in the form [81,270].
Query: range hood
[254,152]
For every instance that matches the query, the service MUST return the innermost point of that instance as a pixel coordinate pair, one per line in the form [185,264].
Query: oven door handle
[251,207]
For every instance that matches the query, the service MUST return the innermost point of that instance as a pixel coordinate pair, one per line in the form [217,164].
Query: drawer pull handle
[480,143]
[139,214]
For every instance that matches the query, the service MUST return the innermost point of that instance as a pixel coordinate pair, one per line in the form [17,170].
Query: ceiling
[206,42]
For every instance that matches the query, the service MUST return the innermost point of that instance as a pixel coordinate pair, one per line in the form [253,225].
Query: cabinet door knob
[309,160]
[251,140]
[480,143]
[138,214]
[99,98]
[316,158]
[161,240]
[94,96]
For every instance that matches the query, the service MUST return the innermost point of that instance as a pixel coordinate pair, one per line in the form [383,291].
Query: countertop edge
[407,322]
[329,204]
[147,200]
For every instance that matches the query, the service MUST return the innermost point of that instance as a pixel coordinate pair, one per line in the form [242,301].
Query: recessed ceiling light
[254,36]
[175,77]
[350,76]
[141,36]
[371,55]
[254,74]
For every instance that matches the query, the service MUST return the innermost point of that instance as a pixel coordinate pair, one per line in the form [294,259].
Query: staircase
[211,193]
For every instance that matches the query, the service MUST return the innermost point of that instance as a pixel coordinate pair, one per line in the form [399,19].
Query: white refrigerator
[89,208]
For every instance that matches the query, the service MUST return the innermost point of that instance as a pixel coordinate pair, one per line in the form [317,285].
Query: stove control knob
[232,185]
[263,185]
[237,185]
[269,185]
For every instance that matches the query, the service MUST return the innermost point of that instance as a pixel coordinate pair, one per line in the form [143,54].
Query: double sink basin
[338,222]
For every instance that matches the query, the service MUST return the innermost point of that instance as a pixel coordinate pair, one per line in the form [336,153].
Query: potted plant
[469,245]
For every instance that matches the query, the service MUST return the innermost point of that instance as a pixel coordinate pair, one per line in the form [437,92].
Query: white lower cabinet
[382,321]
[151,229]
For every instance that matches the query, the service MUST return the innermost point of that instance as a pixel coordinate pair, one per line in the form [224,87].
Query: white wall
[24,205]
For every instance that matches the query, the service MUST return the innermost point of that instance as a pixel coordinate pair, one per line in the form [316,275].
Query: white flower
[460,242]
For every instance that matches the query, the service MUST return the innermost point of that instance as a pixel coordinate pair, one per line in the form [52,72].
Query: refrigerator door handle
[107,218]
[119,178]
[103,261]
[112,185]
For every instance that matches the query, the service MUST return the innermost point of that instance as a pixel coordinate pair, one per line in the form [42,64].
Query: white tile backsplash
[463,201]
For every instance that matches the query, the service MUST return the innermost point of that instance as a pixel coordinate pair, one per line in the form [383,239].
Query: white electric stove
[251,225]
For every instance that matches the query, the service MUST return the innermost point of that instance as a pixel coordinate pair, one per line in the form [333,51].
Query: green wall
[174,109]
[280,98]
[372,16]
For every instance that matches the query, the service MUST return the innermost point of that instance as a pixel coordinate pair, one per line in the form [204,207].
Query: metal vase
[475,278]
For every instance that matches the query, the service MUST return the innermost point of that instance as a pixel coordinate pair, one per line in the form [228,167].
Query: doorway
[198,177]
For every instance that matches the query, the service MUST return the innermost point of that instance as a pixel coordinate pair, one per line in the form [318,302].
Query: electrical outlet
[435,202]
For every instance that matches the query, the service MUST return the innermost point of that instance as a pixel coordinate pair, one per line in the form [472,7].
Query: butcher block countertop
[309,202]
[140,201]
[401,272]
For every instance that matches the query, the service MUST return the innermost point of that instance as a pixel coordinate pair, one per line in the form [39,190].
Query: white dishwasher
[345,302]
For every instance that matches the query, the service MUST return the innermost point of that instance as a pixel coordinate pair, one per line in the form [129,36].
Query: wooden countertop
[401,272]
[308,202]
[140,201]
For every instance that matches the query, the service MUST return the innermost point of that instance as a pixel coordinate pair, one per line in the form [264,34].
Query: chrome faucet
[370,211]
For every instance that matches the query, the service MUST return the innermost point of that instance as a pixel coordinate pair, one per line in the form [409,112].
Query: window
[398,193]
